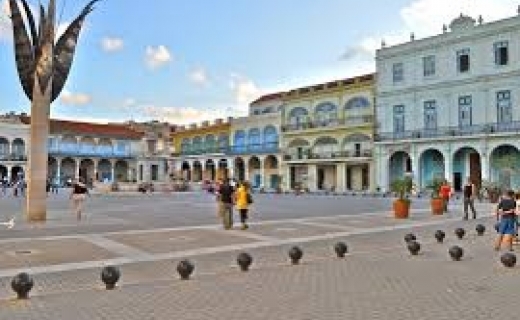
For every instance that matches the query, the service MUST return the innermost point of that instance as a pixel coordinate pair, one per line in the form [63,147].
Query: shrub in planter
[436,203]
[402,188]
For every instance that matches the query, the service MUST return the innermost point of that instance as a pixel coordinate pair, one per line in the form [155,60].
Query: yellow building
[327,135]
[201,151]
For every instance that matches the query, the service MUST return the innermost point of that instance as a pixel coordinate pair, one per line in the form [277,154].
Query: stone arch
[197,171]
[121,171]
[400,163]
[271,171]
[466,164]
[431,167]
[505,166]
[255,175]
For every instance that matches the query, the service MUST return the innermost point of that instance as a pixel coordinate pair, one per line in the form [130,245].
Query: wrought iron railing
[328,155]
[348,122]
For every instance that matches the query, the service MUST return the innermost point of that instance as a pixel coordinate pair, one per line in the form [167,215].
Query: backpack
[249,198]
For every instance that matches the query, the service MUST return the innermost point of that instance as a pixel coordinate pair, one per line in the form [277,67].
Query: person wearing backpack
[243,201]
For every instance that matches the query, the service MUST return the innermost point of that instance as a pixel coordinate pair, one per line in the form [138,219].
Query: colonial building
[447,105]
[14,135]
[201,151]
[255,147]
[327,134]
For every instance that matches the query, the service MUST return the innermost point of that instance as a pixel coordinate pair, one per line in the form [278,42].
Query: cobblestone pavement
[377,280]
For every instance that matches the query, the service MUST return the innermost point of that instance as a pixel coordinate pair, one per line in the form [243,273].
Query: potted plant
[401,205]
[436,202]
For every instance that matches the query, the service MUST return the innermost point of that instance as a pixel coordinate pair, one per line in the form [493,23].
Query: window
[463,62]
[465,112]
[357,149]
[504,112]
[501,53]
[398,72]
[430,115]
[429,66]
[399,119]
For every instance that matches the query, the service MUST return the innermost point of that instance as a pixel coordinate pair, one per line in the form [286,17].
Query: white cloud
[157,57]
[183,115]
[199,77]
[129,102]
[110,44]
[75,99]
[244,89]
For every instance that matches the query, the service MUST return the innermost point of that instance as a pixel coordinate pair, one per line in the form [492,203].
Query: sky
[186,61]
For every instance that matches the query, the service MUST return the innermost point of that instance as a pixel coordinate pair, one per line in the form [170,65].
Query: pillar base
[36,215]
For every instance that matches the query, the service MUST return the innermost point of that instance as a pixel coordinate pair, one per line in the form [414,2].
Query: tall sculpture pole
[43,67]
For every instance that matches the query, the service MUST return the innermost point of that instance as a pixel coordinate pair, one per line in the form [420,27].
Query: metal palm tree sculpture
[43,67]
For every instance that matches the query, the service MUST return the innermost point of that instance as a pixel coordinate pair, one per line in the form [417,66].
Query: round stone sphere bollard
[244,261]
[296,255]
[439,236]
[22,284]
[185,269]
[480,229]
[456,253]
[459,232]
[414,247]
[341,249]
[508,260]
[410,237]
[110,275]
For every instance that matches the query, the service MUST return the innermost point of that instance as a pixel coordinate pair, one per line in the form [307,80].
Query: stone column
[287,178]
[341,177]
[77,164]
[57,178]
[262,173]
[312,175]
[372,176]
[113,170]
[416,169]
[36,205]
[95,178]
[246,171]
[9,168]
[484,163]
[448,167]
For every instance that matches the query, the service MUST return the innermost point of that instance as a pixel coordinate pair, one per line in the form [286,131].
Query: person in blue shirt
[506,214]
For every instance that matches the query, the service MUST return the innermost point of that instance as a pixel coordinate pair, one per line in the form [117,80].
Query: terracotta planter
[437,205]
[401,209]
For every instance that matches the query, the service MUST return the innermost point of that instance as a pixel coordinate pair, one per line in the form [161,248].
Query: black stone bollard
[341,249]
[456,253]
[110,276]
[244,261]
[22,284]
[295,254]
[410,237]
[414,247]
[480,229]
[459,232]
[508,260]
[440,235]
[185,269]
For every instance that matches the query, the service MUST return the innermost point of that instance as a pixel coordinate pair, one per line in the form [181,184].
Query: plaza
[378,279]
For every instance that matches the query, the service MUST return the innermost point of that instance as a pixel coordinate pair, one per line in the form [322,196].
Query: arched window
[326,113]
[325,146]
[185,146]
[357,106]
[210,144]
[18,147]
[270,138]
[255,139]
[223,142]
[298,117]
[239,142]
[4,147]
[197,146]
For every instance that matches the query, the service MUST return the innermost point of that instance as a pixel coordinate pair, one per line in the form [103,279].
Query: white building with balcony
[448,105]
[14,136]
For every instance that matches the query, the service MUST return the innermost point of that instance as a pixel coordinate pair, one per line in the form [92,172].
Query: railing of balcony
[13,157]
[236,150]
[349,121]
[489,128]
[329,155]
[90,153]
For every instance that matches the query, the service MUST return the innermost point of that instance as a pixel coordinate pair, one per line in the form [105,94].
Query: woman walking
[78,195]
[506,214]
[243,201]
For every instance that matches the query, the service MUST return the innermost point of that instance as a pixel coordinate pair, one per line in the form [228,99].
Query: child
[507,220]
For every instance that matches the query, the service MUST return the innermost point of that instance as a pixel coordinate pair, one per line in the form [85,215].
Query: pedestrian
[226,194]
[470,193]
[78,196]
[506,216]
[243,201]
[445,192]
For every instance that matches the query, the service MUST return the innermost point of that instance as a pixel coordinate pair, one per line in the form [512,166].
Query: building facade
[14,135]
[448,106]
[327,135]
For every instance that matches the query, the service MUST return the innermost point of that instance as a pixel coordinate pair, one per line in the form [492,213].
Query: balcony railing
[13,157]
[485,129]
[328,156]
[235,150]
[348,122]
[90,153]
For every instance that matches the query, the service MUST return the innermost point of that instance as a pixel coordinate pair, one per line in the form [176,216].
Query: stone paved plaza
[146,235]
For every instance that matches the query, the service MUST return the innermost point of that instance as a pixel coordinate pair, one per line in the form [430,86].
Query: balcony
[235,150]
[481,129]
[328,156]
[90,153]
[330,124]
[13,157]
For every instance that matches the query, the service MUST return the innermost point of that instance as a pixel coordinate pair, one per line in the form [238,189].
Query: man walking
[470,192]
[226,195]
[445,192]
